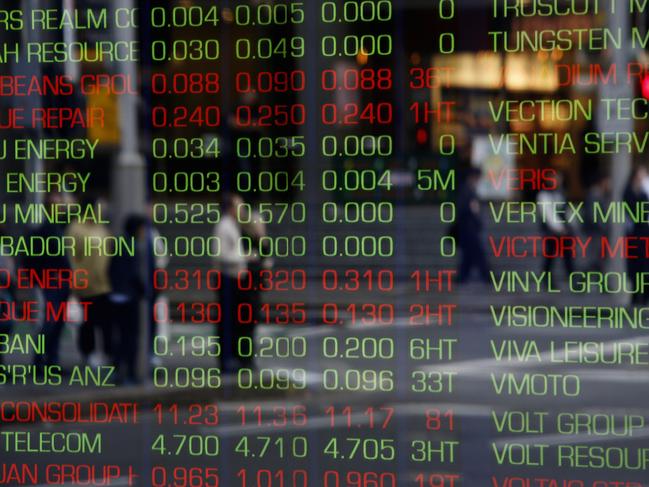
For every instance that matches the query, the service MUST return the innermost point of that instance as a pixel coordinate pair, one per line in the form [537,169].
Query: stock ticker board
[324,243]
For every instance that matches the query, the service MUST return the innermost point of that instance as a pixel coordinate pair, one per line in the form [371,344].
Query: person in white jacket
[230,261]
[552,205]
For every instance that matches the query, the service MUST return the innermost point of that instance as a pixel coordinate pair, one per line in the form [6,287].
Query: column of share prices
[188,119]
[276,134]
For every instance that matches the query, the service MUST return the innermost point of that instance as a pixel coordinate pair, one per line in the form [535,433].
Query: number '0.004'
[195,16]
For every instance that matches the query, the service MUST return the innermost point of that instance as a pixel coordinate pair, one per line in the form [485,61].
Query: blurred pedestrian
[128,288]
[636,193]
[468,230]
[41,263]
[253,231]
[231,261]
[553,207]
[7,293]
[155,259]
[96,264]
[599,195]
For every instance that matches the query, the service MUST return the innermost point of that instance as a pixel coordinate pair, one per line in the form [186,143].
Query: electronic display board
[324,243]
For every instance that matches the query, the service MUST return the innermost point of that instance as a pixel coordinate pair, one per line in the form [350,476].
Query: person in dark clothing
[52,326]
[7,294]
[599,194]
[468,231]
[636,263]
[156,259]
[95,264]
[127,290]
